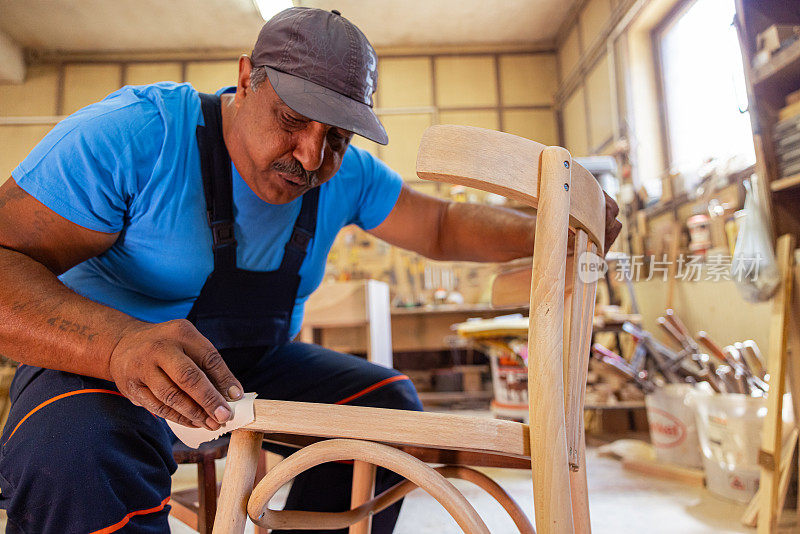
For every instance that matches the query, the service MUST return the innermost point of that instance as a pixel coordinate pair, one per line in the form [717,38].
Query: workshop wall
[711,305]
[587,96]
[53,90]
[607,90]
[510,91]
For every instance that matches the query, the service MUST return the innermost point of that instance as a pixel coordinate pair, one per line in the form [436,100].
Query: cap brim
[326,106]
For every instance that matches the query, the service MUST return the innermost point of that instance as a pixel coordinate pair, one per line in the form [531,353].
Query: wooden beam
[771,436]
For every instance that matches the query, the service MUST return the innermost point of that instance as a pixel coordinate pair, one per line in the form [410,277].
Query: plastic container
[729,427]
[699,232]
[510,383]
[673,431]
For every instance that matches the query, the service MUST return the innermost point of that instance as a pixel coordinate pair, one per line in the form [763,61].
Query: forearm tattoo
[65,325]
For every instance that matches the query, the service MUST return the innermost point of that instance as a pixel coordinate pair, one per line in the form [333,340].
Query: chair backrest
[567,199]
[508,165]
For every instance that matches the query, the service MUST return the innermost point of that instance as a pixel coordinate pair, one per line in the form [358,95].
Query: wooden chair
[568,199]
[196,507]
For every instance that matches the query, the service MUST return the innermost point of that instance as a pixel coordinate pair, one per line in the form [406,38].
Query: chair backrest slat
[549,461]
[507,165]
[584,288]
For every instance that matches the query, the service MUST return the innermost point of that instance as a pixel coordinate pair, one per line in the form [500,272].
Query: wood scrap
[686,475]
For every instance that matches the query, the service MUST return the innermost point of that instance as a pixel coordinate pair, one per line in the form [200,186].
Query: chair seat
[483,438]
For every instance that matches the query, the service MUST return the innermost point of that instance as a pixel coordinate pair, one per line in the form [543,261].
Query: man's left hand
[613,226]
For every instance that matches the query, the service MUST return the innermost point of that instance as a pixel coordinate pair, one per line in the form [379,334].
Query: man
[106,252]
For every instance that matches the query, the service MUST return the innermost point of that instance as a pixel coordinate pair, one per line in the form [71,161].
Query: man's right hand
[173,371]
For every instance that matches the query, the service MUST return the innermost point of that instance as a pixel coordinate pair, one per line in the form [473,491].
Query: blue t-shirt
[130,164]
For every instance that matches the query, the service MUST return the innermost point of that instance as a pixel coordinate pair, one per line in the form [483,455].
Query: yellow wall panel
[574,116]
[466,81]
[89,83]
[144,73]
[598,87]
[570,53]
[593,19]
[479,118]
[37,96]
[366,144]
[528,79]
[16,142]
[536,124]
[404,82]
[405,132]
[210,76]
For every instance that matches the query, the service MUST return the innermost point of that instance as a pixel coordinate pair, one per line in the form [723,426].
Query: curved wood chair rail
[261,515]
[507,165]
[333,450]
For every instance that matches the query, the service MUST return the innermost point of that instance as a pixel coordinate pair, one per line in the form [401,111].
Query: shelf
[457,308]
[783,184]
[783,67]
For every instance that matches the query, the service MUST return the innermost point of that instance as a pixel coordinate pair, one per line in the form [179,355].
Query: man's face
[279,153]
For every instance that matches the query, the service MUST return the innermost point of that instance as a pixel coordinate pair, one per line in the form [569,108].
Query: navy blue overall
[78,457]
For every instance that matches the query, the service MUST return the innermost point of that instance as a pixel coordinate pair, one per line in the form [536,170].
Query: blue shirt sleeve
[88,168]
[380,190]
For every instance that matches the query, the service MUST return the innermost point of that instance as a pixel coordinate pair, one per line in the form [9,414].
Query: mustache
[295,168]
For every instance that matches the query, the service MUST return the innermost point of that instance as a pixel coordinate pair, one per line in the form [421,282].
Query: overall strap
[215,165]
[304,228]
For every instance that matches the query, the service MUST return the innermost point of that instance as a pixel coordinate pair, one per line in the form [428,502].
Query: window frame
[656,36]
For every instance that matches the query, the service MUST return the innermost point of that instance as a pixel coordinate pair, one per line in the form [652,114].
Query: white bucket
[729,426]
[673,431]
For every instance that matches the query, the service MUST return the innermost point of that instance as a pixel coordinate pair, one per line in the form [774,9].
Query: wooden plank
[674,247]
[184,512]
[785,62]
[794,351]
[785,183]
[507,165]
[423,429]
[686,475]
[776,366]
[337,304]
[750,516]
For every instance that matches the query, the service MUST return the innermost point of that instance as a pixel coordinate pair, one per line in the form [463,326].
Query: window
[704,91]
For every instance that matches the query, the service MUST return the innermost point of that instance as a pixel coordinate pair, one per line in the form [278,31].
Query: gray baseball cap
[322,67]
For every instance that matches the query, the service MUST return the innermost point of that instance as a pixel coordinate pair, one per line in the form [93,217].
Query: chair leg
[206,495]
[363,491]
[261,472]
[237,482]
